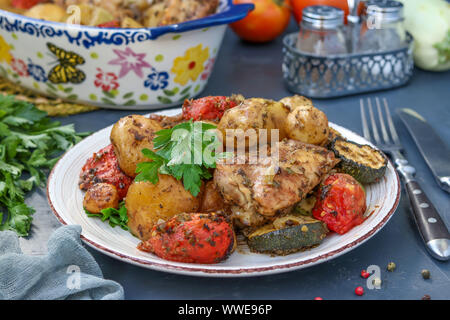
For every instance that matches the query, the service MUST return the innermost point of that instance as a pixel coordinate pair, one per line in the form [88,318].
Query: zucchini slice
[362,162]
[287,234]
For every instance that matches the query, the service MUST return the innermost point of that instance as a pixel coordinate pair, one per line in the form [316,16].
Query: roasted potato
[99,16]
[295,118]
[47,11]
[129,136]
[128,22]
[154,15]
[307,124]
[296,101]
[147,203]
[256,114]
[101,196]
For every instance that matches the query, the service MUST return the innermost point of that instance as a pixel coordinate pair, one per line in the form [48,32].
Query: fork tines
[384,140]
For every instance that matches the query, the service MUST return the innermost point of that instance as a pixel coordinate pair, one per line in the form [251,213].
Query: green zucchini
[362,162]
[287,234]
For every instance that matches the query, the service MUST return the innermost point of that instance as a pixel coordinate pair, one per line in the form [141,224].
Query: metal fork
[430,224]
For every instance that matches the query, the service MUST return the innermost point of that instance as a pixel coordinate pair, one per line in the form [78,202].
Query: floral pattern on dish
[168,78]
[36,71]
[191,65]
[106,80]
[5,55]
[128,61]
[208,69]
[20,67]
[157,80]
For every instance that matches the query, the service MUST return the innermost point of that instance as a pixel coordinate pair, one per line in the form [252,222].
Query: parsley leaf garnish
[149,170]
[115,217]
[30,143]
[186,152]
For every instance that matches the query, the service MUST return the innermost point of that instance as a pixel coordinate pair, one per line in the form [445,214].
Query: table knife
[431,226]
[433,149]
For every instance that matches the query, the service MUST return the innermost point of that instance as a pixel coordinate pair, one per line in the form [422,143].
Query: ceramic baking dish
[146,68]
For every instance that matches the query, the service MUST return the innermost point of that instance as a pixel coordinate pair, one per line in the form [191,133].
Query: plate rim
[194,270]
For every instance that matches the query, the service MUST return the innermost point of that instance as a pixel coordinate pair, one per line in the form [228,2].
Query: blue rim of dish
[233,13]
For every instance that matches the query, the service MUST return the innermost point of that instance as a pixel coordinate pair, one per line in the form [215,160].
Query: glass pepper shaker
[382,26]
[321,31]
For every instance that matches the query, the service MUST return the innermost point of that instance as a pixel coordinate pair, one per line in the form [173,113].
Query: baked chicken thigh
[258,192]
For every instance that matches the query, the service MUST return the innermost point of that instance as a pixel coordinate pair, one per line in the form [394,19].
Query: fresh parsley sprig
[30,144]
[186,152]
[115,217]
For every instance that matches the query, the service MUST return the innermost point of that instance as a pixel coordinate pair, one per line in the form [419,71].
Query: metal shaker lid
[323,17]
[385,10]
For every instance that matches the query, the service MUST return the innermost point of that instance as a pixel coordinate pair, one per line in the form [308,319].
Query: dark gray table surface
[255,71]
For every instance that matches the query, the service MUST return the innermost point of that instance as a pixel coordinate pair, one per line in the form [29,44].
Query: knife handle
[431,226]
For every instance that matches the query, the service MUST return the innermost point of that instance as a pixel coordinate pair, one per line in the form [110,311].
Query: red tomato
[24,4]
[192,238]
[266,22]
[207,108]
[341,203]
[299,5]
[103,167]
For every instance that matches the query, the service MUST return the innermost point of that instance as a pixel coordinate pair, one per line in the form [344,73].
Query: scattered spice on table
[365,274]
[391,266]
[426,274]
[359,291]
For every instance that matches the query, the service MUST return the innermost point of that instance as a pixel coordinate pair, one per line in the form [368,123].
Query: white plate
[66,200]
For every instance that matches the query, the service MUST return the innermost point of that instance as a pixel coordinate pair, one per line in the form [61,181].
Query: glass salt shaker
[382,26]
[353,25]
[321,31]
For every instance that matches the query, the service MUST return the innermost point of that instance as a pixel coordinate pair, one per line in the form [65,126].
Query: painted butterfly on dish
[66,70]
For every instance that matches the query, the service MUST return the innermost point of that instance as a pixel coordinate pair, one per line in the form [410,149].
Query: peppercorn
[365,274]
[426,274]
[391,266]
[359,291]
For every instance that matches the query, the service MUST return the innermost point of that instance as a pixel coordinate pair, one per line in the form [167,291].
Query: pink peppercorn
[359,291]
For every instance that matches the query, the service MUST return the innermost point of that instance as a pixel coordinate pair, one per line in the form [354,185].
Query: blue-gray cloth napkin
[68,271]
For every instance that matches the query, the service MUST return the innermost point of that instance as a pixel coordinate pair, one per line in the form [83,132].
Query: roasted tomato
[109,24]
[192,238]
[207,108]
[266,22]
[25,4]
[299,5]
[341,203]
[104,168]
